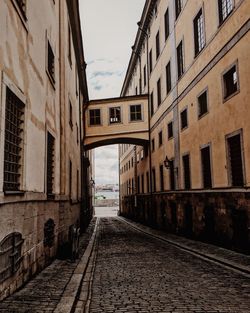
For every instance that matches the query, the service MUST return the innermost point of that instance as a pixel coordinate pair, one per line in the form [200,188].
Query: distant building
[192,59]
[42,168]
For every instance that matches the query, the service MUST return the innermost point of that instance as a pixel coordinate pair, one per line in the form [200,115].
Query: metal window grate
[14,117]
[51,62]
[50,163]
[199,33]
[10,255]
[225,8]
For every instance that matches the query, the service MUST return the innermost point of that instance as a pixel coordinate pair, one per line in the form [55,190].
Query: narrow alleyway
[129,271]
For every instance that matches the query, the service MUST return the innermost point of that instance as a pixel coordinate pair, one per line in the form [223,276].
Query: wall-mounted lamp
[166,162]
[92,182]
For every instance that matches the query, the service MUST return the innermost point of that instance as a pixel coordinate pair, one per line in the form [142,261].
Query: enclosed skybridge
[116,121]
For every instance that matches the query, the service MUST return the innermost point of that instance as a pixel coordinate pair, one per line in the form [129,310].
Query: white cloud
[109,28]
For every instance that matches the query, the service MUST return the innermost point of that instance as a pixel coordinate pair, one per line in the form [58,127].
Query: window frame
[199,116]
[135,120]
[182,111]
[114,108]
[196,35]
[89,119]
[222,21]
[181,66]
[51,73]
[236,64]
[172,123]
[207,145]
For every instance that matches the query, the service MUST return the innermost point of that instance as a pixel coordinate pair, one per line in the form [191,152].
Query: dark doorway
[240,231]
[188,220]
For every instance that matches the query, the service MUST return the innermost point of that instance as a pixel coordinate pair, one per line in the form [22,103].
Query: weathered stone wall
[221,218]
[38,249]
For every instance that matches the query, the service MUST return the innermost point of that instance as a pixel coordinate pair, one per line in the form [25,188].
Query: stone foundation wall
[221,218]
[44,228]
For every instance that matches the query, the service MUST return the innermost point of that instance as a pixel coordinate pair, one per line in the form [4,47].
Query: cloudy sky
[109,28]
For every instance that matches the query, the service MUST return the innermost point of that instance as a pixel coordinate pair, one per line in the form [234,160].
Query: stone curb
[245,270]
[73,287]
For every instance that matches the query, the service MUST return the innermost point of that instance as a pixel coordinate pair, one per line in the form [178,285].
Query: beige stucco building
[42,93]
[192,59]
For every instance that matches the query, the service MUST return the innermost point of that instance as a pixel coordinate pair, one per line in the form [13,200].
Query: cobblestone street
[136,273]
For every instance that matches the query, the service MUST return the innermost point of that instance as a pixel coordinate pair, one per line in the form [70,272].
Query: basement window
[114,115]
[10,255]
[225,8]
[230,81]
[13,141]
[202,104]
[135,113]
[95,117]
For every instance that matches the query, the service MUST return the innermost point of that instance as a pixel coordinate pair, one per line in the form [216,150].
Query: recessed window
[160,138]
[161,178]
[142,183]
[95,117]
[150,62]
[184,119]
[157,45]
[152,103]
[180,60]
[51,63]
[230,80]
[178,8]
[199,33]
[114,115]
[153,145]
[225,8]
[172,175]
[168,77]
[159,92]
[70,115]
[50,163]
[69,45]
[170,130]
[135,113]
[202,104]
[153,180]
[166,24]
[186,171]
[13,141]
[22,6]
[145,75]
[206,167]
[235,160]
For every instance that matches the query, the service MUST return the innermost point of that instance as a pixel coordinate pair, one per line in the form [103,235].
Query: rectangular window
[145,75]
[22,6]
[225,8]
[180,60]
[184,119]
[51,63]
[178,8]
[170,130]
[13,141]
[152,103]
[186,171]
[166,24]
[199,32]
[147,178]
[135,113]
[235,160]
[114,115]
[50,163]
[153,145]
[69,45]
[95,117]
[138,184]
[159,92]
[142,183]
[150,62]
[161,178]
[157,45]
[206,167]
[171,175]
[202,104]
[70,115]
[230,80]
[160,138]
[153,180]
[168,77]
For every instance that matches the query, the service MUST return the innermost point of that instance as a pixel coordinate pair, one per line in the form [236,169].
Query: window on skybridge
[135,113]
[95,117]
[114,115]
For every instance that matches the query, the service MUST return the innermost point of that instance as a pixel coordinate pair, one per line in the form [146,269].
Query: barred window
[51,62]
[199,33]
[135,113]
[50,163]
[10,255]
[13,141]
[95,117]
[225,8]
[115,115]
